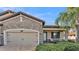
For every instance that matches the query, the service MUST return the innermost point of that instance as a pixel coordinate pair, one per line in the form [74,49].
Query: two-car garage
[21,38]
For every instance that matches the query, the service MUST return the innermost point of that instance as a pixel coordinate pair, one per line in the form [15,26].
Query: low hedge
[60,46]
[72,48]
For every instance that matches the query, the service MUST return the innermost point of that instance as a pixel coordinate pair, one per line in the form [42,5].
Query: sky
[48,14]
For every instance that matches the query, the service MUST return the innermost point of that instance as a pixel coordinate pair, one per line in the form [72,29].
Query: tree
[62,19]
[68,18]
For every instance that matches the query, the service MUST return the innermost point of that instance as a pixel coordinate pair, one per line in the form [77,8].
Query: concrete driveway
[16,48]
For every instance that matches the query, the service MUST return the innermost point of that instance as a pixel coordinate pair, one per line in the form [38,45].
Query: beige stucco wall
[27,23]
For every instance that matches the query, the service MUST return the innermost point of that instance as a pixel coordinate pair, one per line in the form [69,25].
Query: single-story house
[19,28]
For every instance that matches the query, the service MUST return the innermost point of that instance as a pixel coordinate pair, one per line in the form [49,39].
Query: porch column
[62,35]
[5,39]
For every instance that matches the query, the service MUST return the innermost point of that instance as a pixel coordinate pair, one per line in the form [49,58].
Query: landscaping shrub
[72,48]
[73,41]
[43,48]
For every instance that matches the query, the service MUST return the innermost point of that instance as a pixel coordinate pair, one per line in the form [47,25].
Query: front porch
[53,33]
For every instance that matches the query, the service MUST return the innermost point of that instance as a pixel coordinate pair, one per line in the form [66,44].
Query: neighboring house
[23,29]
[72,34]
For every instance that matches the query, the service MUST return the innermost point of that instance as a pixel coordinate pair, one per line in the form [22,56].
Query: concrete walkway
[16,48]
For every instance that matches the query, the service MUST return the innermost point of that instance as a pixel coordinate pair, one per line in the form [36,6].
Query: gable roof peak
[26,14]
[5,12]
[18,13]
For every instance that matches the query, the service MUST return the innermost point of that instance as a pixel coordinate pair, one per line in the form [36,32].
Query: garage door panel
[22,38]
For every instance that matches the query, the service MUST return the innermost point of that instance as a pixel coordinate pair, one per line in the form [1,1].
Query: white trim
[21,18]
[38,38]
[26,30]
[5,42]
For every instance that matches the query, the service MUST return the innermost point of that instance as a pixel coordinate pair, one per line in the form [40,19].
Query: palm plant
[68,17]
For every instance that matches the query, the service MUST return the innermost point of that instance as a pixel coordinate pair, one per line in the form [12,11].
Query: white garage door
[22,39]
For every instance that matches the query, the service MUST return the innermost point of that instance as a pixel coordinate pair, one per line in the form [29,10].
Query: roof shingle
[18,13]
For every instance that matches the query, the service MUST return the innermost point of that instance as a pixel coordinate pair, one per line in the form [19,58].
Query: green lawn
[55,47]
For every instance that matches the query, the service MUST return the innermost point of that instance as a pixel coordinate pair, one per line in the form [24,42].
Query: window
[52,36]
[58,35]
[55,34]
